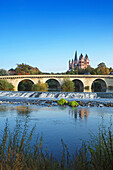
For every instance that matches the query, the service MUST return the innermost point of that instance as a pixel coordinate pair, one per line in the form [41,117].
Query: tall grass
[18,151]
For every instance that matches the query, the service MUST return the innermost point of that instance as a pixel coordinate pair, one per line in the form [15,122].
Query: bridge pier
[87,89]
[15,88]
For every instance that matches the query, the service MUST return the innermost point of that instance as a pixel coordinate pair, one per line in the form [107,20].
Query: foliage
[23,69]
[3,72]
[40,86]
[62,101]
[100,71]
[110,69]
[73,104]
[68,86]
[101,65]
[80,71]
[25,85]
[101,151]
[89,69]
[5,85]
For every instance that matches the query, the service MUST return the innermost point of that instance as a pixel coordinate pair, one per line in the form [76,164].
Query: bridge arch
[53,84]
[25,84]
[99,85]
[79,85]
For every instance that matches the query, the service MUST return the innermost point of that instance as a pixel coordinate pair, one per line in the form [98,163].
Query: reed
[17,152]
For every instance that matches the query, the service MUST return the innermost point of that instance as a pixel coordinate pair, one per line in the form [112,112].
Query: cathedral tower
[82,63]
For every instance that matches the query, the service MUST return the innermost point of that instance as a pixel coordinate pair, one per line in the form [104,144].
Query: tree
[22,69]
[3,72]
[103,70]
[5,85]
[40,86]
[81,71]
[110,69]
[101,65]
[100,71]
[89,69]
[68,86]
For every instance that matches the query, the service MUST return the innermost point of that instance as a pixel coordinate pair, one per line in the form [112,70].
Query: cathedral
[82,63]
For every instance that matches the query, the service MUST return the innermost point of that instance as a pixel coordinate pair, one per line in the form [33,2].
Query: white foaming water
[72,95]
[56,95]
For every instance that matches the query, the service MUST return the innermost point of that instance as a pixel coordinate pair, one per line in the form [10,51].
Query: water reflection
[21,109]
[79,113]
[3,108]
[56,123]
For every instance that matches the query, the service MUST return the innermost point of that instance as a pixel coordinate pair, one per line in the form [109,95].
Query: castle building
[82,63]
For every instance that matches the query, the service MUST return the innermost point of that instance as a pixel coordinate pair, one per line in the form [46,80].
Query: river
[54,122]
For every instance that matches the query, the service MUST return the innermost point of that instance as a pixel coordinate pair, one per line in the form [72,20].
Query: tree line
[25,69]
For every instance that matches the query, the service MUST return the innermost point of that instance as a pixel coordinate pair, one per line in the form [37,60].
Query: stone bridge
[84,81]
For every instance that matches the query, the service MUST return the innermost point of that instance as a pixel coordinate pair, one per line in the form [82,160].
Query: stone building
[81,63]
[11,71]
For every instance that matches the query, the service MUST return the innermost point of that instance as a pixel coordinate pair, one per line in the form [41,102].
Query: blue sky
[46,34]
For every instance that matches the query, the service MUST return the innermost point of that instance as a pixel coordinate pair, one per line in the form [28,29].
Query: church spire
[75,55]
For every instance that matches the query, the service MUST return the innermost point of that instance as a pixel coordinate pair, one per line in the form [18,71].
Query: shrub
[73,104]
[62,101]
[3,72]
[40,86]
[5,85]
[68,86]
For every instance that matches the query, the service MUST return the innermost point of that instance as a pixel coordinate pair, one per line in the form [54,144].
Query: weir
[56,95]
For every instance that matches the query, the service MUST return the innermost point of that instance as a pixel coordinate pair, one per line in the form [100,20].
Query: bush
[68,86]
[3,72]
[40,86]
[62,101]
[73,104]
[5,85]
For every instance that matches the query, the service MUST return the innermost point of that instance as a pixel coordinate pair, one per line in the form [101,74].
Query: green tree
[3,72]
[5,85]
[68,86]
[89,69]
[81,71]
[40,86]
[75,71]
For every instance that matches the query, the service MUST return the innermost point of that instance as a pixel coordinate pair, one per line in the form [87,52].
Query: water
[56,123]
[57,95]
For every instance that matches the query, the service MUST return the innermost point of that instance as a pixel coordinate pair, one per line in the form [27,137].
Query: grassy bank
[17,152]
